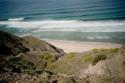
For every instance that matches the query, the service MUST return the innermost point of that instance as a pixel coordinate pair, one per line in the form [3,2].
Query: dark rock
[4,50]
[3,81]
[53,81]
[11,45]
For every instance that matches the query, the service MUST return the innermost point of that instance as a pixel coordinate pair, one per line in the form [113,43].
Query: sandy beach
[72,46]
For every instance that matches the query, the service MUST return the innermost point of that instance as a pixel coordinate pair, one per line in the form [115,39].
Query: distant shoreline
[75,46]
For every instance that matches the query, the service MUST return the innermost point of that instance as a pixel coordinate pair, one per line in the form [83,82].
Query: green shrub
[95,50]
[43,81]
[16,64]
[105,81]
[98,58]
[48,58]
[71,55]
[87,58]
[12,64]
[115,50]
[66,81]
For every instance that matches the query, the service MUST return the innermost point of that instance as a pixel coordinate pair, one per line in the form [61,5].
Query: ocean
[73,20]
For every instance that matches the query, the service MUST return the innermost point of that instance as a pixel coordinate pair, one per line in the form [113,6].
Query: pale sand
[71,46]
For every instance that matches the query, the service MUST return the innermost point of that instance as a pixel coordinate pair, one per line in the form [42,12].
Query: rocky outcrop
[111,70]
[13,45]
[121,62]
[39,46]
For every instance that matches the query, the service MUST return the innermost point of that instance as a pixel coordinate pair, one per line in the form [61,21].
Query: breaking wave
[15,19]
[66,25]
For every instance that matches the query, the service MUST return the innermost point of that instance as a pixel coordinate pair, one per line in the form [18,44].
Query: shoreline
[75,46]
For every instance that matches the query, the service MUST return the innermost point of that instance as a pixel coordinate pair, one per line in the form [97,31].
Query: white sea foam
[68,25]
[15,19]
[97,37]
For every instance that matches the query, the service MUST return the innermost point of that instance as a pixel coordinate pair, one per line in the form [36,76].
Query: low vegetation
[67,65]
[105,81]
[98,58]
[48,58]
[17,65]
[67,81]
[87,58]
[73,62]
[27,59]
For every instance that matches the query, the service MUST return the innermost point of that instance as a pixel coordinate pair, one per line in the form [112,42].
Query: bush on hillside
[98,58]
[48,58]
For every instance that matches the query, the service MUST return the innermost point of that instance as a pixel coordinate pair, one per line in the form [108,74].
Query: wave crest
[67,25]
[15,19]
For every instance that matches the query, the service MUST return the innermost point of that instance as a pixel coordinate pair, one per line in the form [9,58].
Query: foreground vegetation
[73,62]
[63,70]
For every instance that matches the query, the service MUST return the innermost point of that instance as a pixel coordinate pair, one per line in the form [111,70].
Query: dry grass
[72,63]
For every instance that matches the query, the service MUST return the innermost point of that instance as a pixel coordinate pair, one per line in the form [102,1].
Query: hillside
[28,59]
[95,66]
[26,55]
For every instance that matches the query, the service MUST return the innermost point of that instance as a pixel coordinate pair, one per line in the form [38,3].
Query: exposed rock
[35,45]
[13,45]
[111,70]
[121,62]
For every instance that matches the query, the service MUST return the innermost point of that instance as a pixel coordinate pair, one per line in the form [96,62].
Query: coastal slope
[26,54]
[29,59]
